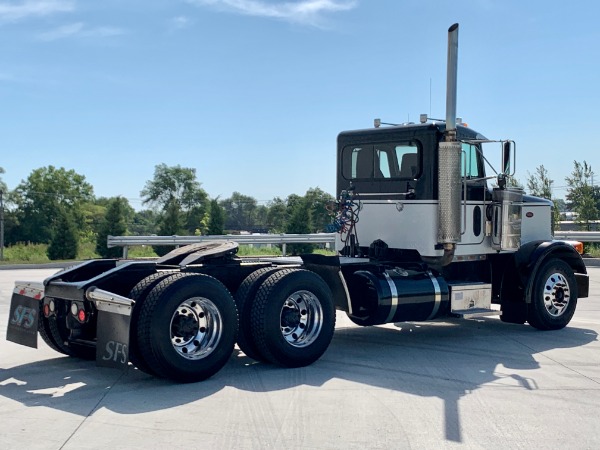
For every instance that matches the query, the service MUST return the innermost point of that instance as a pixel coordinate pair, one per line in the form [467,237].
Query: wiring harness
[344,212]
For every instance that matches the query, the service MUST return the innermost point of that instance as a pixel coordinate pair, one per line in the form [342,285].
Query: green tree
[144,223]
[540,185]
[299,223]
[317,201]
[175,191]
[240,212]
[3,186]
[277,215]
[195,219]
[513,182]
[170,224]
[261,217]
[64,242]
[41,199]
[582,197]
[114,224]
[216,221]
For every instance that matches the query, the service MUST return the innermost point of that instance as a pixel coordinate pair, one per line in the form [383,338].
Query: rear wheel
[138,294]
[187,327]
[293,318]
[554,296]
[244,298]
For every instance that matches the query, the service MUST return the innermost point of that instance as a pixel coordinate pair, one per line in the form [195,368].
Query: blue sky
[252,93]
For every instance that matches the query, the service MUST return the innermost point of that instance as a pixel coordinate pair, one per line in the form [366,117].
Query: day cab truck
[423,233]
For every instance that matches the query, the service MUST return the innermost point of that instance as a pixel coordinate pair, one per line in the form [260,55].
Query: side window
[409,166]
[468,164]
[386,161]
[357,162]
[382,170]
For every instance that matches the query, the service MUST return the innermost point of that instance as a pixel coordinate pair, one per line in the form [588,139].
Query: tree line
[582,198]
[56,206]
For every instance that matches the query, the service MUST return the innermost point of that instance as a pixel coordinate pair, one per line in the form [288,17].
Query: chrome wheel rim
[196,328]
[301,319]
[557,294]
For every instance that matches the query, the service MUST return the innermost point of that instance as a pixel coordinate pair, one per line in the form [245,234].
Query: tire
[554,296]
[365,321]
[244,298]
[285,331]
[138,294]
[46,333]
[57,333]
[187,327]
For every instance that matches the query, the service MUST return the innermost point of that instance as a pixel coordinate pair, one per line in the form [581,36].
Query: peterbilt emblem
[399,206]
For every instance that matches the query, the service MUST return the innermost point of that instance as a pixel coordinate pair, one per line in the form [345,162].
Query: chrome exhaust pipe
[449,182]
[451,76]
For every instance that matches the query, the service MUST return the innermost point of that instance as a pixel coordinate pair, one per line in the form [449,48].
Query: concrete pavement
[472,384]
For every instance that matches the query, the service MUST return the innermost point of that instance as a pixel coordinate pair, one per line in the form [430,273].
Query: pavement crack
[533,350]
[93,410]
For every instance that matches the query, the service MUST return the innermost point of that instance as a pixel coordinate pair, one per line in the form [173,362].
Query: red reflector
[81,315]
[529,214]
[46,310]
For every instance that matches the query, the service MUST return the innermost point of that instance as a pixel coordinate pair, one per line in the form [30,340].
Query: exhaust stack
[451,76]
[449,182]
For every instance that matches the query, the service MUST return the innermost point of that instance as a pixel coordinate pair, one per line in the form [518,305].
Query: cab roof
[384,131]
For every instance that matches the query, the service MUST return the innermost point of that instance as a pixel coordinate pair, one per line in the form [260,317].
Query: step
[475,312]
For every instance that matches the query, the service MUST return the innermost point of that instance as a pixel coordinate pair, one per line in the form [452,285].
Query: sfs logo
[23,317]
[116,352]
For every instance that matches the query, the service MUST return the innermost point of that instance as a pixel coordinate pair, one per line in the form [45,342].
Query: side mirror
[508,153]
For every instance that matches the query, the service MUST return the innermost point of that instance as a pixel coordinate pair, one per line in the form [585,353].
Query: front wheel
[187,327]
[293,318]
[554,296]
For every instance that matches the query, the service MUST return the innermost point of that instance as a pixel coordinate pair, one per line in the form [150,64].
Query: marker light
[81,315]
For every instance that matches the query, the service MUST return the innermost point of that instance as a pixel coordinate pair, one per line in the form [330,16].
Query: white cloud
[79,29]
[179,23]
[14,11]
[307,12]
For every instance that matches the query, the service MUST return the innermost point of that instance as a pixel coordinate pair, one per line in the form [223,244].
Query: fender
[532,255]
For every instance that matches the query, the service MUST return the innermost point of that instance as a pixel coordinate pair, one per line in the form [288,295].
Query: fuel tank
[396,295]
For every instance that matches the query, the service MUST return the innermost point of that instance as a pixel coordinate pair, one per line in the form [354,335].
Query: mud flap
[114,317]
[23,318]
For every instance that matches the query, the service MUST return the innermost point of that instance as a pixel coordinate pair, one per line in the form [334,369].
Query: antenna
[429,96]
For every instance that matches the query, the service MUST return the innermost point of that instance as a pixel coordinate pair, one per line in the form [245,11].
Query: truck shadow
[434,359]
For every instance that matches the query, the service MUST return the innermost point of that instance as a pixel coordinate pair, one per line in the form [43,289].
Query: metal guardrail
[282,239]
[583,236]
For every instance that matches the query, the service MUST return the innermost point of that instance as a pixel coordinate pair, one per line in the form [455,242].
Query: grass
[592,249]
[26,253]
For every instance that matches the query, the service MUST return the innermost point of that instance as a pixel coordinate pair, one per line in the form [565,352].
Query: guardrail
[583,236]
[281,239]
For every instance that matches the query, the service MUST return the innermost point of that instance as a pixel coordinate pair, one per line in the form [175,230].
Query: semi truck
[423,233]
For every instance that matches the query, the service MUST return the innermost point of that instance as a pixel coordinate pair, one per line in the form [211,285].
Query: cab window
[388,161]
